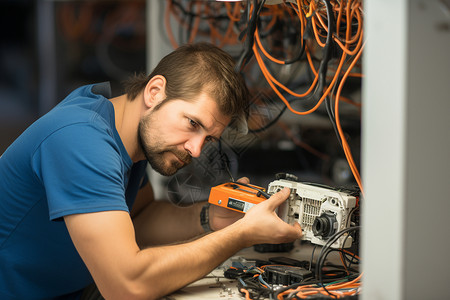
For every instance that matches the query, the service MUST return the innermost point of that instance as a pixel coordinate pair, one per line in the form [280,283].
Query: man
[75,206]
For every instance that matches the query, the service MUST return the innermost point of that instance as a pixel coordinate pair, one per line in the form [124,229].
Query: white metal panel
[405,150]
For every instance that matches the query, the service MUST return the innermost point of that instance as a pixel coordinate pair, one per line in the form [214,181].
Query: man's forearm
[122,270]
[106,243]
[172,267]
[162,222]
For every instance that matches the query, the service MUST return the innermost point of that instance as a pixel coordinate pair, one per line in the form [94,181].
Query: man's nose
[194,145]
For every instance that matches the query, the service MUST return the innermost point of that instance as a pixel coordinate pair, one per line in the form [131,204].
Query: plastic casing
[307,202]
[239,199]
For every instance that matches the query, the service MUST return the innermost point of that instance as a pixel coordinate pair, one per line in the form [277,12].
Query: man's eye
[193,123]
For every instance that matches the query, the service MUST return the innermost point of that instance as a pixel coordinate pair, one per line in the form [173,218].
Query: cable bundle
[337,31]
[332,281]
[216,22]
[324,38]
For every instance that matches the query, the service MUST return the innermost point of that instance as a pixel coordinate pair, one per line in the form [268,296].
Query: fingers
[299,229]
[278,198]
[293,232]
[244,180]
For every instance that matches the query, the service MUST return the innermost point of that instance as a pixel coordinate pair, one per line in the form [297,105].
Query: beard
[161,158]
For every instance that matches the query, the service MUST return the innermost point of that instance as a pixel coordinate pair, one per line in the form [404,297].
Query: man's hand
[221,217]
[261,221]
[264,226]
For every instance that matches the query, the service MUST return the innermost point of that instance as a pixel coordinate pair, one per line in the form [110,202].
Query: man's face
[177,130]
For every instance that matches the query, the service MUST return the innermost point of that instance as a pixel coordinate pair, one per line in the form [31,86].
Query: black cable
[349,261]
[327,50]
[343,243]
[265,34]
[225,160]
[254,287]
[323,67]
[341,267]
[195,15]
[332,119]
[326,290]
[281,112]
[331,114]
[293,286]
[188,17]
[299,55]
[312,257]
[250,31]
[259,191]
[326,247]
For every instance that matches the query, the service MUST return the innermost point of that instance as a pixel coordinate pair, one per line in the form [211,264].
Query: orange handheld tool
[237,196]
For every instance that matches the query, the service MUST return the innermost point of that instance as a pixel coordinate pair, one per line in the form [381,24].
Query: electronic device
[321,211]
[285,275]
[237,196]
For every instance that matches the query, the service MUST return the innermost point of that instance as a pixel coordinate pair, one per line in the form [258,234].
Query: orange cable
[196,22]
[230,37]
[311,64]
[352,254]
[301,17]
[267,76]
[349,17]
[247,293]
[258,40]
[271,78]
[170,35]
[338,20]
[360,24]
[349,101]
[311,9]
[235,17]
[345,145]
[316,34]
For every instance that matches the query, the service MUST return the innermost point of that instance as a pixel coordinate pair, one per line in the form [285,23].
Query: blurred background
[49,48]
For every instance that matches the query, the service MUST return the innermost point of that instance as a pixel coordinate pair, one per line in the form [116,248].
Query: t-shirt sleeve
[82,171]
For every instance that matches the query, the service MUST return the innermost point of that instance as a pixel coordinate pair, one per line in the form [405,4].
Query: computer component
[285,275]
[320,211]
[287,261]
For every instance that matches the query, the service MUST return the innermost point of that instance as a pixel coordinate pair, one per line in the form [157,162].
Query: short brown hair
[195,68]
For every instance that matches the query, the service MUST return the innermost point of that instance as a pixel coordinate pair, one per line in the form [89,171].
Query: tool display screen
[236,204]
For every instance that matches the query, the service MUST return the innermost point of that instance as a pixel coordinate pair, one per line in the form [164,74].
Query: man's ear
[155,91]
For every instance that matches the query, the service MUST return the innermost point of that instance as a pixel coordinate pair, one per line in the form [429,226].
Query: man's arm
[121,270]
[161,222]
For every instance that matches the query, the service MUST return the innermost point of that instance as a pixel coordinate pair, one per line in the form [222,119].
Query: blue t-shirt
[70,161]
